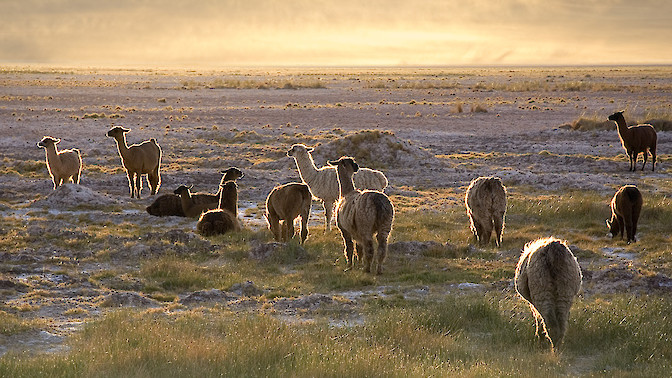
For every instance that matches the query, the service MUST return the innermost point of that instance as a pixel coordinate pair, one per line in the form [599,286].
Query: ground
[72,255]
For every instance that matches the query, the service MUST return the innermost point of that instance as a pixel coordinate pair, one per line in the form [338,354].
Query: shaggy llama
[486,207]
[360,216]
[323,182]
[548,277]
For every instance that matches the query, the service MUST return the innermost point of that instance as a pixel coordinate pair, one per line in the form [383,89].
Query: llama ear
[310,149]
[332,162]
[190,186]
[124,129]
[608,223]
[57,141]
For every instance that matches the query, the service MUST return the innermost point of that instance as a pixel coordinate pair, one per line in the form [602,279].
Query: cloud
[341,32]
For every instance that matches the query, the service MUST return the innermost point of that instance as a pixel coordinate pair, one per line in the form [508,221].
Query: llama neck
[345,181]
[622,127]
[185,198]
[122,146]
[307,168]
[51,152]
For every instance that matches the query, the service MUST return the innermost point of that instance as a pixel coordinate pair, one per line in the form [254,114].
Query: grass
[472,335]
[484,334]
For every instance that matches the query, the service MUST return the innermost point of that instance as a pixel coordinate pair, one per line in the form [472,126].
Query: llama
[360,216]
[192,205]
[548,277]
[323,182]
[636,139]
[284,204]
[63,165]
[138,159]
[231,174]
[225,218]
[166,205]
[486,207]
[228,197]
[625,209]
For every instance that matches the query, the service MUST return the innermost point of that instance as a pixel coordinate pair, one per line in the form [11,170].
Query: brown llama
[625,209]
[636,139]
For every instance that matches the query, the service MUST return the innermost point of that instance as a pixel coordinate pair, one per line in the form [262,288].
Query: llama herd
[547,274]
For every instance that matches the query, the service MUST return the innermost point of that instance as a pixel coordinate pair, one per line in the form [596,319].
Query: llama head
[231,174]
[613,226]
[117,131]
[299,149]
[347,162]
[616,116]
[182,188]
[47,141]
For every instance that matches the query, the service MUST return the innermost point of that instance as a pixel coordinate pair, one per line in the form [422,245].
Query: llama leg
[304,227]
[635,219]
[633,161]
[621,225]
[498,219]
[75,178]
[478,232]
[153,179]
[368,254]
[550,323]
[646,157]
[290,229]
[328,211]
[628,227]
[487,232]
[130,182]
[653,159]
[138,183]
[349,249]
[382,250]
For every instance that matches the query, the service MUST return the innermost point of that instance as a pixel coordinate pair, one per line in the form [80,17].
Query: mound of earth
[68,196]
[374,149]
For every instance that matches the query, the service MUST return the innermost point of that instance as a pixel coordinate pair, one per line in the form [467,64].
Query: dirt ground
[446,127]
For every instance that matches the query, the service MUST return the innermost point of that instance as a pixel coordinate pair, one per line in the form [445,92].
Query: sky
[220,33]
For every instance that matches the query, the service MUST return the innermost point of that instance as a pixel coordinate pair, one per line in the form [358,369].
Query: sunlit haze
[335,33]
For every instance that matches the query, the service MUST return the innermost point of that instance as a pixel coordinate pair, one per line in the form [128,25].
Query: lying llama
[625,208]
[193,204]
[486,207]
[548,277]
[138,159]
[360,216]
[166,205]
[323,182]
[284,204]
[171,204]
[63,165]
[636,139]
[223,219]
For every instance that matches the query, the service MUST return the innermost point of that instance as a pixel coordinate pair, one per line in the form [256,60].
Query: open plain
[86,263]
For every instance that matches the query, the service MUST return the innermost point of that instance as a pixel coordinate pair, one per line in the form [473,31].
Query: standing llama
[486,207]
[323,182]
[625,209]
[360,216]
[138,159]
[548,277]
[63,165]
[284,204]
[636,139]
